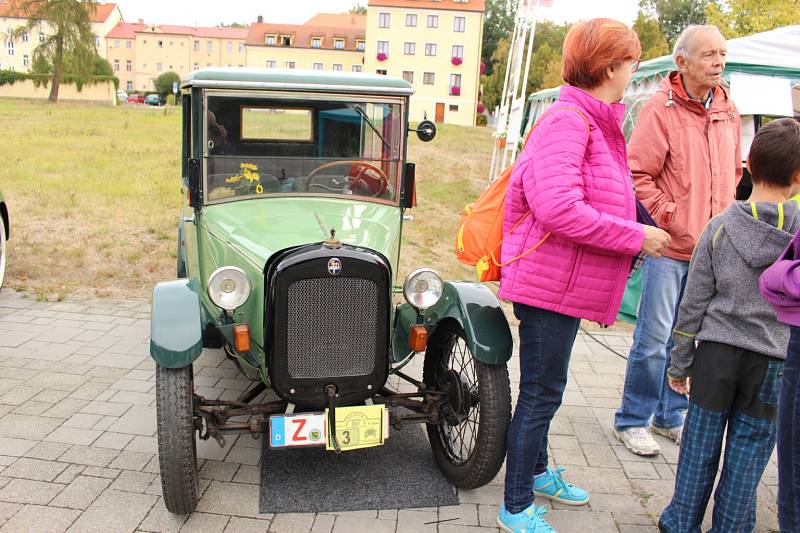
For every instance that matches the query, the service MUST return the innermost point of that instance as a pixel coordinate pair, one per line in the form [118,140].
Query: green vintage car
[289,260]
[4,235]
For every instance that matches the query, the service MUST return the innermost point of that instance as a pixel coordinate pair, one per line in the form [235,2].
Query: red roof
[125,30]
[9,8]
[214,32]
[338,20]
[302,33]
[452,5]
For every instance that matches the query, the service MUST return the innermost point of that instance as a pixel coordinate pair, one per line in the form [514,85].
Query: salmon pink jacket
[573,177]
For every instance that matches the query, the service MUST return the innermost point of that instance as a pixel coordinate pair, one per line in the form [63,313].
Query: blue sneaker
[552,486]
[528,521]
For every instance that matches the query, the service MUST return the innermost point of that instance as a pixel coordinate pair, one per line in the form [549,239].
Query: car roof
[296,79]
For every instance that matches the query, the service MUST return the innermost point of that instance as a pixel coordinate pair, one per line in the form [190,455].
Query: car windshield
[322,145]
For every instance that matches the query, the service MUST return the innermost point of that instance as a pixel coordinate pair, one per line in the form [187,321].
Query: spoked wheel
[470,443]
[2,252]
[177,452]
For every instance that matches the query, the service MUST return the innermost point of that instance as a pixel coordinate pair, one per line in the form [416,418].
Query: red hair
[591,46]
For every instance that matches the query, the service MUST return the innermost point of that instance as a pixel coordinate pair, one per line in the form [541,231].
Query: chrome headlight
[228,287]
[423,288]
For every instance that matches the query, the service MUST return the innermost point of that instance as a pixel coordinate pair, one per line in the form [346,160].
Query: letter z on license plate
[305,429]
[357,426]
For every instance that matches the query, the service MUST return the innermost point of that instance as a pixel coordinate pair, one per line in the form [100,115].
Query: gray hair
[683,44]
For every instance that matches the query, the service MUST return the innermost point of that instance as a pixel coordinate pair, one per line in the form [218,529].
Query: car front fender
[475,308]
[176,338]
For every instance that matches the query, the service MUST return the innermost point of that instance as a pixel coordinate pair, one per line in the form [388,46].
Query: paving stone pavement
[78,446]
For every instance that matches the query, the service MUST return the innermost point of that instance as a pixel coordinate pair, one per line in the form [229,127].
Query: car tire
[177,450]
[480,463]
[3,251]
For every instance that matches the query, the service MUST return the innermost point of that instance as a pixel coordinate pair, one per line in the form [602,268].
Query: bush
[163,83]
[481,120]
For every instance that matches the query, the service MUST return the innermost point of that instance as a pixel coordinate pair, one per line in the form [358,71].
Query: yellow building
[121,52]
[17,53]
[435,45]
[325,42]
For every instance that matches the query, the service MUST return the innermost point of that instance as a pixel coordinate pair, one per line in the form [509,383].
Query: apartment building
[17,53]
[121,52]
[436,46]
[325,42]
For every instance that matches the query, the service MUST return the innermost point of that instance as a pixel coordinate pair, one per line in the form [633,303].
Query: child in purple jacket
[780,285]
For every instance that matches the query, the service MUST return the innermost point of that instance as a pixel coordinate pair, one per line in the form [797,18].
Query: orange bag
[480,233]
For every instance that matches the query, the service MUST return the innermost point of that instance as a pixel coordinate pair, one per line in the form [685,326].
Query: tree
[72,35]
[498,24]
[100,66]
[674,15]
[163,83]
[493,83]
[358,9]
[653,42]
[738,18]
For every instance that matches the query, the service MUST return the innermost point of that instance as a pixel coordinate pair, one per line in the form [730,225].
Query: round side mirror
[426,131]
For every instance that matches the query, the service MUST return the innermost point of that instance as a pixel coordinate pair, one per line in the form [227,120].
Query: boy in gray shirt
[734,371]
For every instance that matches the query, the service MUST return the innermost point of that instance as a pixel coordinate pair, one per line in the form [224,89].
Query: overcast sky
[191,13]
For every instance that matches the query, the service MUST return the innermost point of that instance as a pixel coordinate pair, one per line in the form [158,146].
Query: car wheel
[177,452]
[3,251]
[469,444]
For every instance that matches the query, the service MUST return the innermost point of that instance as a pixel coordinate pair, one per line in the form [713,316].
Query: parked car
[153,99]
[289,260]
[135,98]
[122,96]
[5,226]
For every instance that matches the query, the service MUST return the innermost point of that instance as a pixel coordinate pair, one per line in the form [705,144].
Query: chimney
[141,21]
[260,19]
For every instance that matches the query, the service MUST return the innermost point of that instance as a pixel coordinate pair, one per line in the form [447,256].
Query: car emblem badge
[334,266]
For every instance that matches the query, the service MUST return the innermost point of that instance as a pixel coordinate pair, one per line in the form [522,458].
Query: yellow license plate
[359,426]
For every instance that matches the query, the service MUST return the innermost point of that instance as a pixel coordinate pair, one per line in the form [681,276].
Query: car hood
[260,227]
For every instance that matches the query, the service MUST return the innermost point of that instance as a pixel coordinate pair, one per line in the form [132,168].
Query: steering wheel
[373,179]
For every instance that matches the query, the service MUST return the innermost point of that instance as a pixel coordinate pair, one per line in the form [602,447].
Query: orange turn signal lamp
[418,338]
[241,337]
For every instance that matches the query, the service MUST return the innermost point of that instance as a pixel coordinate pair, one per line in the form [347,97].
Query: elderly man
[686,161]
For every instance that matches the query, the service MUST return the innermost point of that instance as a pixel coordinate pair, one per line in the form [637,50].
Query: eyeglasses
[635,64]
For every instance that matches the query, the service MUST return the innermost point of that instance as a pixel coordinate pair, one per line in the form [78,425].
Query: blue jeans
[545,345]
[789,439]
[646,392]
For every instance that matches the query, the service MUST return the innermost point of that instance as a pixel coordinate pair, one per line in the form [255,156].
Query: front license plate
[360,426]
[305,429]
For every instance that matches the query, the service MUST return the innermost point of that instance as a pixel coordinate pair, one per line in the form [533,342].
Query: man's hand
[655,241]
[680,385]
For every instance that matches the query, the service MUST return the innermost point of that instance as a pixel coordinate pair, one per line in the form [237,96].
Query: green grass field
[94,195]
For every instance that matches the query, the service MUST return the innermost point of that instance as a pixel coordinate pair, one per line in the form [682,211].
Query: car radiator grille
[332,327]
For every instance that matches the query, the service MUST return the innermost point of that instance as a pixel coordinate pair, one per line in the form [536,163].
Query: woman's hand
[655,241]
[681,385]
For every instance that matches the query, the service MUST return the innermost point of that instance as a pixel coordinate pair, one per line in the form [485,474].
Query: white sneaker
[638,441]
[673,434]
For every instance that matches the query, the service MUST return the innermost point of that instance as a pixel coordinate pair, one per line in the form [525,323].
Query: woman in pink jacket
[570,235]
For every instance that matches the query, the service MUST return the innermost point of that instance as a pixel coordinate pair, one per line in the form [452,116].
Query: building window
[41,36]
[26,61]
[270,40]
[160,44]
[356,68]
[116,43]
[271,63]
[410,49]
[458,51]
[25,37]
[316,42]
[381,71]
[429,78]
[196,66]
[455,84]
[317,66]
[459,24]
[338,44]
[128,44]
[129,85]
[96,41]
[452,107]
[383,47]
[290,64]
[159,67]
[433,21]
[430,49]
[241,48]
[286,40]
[337,66]
[360,45]
[116,64]
[384,20]
[129,65]
[10,45]
[411,20]
[408,75]
[229,47]
[209,46]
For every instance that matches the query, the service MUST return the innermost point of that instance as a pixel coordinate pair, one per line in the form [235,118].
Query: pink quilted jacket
[574,179]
